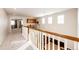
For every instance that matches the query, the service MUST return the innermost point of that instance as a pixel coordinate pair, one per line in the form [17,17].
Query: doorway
[16,25]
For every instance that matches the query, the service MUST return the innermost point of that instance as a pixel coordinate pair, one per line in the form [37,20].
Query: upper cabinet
[32,22]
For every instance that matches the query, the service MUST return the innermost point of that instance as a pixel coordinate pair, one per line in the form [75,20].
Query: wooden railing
[45,40]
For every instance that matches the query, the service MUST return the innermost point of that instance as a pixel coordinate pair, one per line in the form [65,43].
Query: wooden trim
[59,35]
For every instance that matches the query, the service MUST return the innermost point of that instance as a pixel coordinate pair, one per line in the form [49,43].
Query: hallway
[38,30]
[13,41]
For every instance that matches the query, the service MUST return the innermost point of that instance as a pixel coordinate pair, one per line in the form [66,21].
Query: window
[60,19]
[50,20]
[22,22]
[43,20]
[12,22]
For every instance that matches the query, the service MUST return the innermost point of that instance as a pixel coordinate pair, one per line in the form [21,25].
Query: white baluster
[58,44]
[65,44]
[40,39]
[75,45]
[53,42]
[78,45]
[42,42]
[37,39]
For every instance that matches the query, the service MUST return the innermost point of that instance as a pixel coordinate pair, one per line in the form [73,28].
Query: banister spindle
[65,44]
[58,44]
[40,39]
[78,45]
[43,38]
[37,38]
[46,40]
[75,45]
[53,42]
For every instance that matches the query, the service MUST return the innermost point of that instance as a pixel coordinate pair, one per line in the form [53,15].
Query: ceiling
[36,12]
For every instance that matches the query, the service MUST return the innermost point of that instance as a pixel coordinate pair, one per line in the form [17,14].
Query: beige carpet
[13,41]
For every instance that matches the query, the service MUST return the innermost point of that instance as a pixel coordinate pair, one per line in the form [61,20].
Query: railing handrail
[57,34]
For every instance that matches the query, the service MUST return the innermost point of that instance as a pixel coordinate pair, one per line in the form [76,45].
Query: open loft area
[39,28]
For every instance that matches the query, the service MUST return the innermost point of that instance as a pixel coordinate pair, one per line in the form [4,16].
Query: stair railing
[45,40]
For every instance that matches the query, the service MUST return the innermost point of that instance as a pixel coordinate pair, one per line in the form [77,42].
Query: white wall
[17,17]
[69,27]
[70,23]
[3,25]
[78,23]
[78,27]
[24,19]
